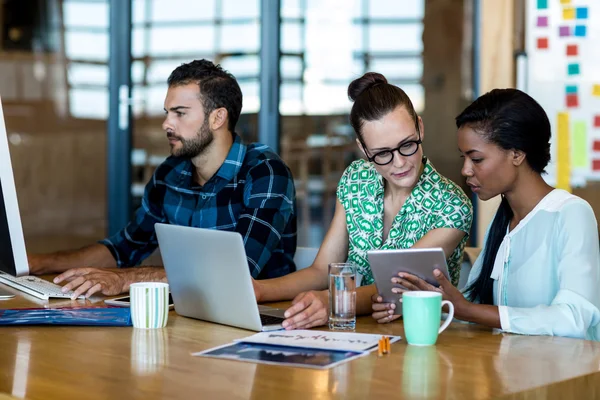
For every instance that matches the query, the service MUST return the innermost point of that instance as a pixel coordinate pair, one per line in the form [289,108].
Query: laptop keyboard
[270,320]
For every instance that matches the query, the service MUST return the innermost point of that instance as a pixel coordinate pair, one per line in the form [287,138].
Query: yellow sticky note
[596,90]
[563,156]
[569,13]
[565,1]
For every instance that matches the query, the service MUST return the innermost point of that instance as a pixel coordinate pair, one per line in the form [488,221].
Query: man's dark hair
[218,88]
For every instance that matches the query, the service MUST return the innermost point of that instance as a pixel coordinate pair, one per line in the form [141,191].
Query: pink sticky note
[542,21]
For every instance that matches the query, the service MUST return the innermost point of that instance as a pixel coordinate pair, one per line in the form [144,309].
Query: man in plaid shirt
[212,180]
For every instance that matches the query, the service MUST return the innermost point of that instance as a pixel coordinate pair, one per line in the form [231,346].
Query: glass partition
[325,44]
[54,69]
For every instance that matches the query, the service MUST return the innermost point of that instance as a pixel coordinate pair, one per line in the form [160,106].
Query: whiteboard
[563,74]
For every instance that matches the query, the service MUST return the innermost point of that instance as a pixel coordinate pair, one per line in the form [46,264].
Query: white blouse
[547,271]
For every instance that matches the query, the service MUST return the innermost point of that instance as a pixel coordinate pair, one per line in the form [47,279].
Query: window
[165,35]
[86,49]
[169,33]
[327,43]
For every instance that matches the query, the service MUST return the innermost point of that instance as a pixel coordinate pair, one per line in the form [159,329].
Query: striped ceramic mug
[149,304]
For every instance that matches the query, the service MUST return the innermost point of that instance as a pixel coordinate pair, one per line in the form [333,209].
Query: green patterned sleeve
[344,183]
[454,210]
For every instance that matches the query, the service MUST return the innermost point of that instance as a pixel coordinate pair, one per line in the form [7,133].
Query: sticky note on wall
[597,121]
[568,13]
[564,31]
[542,4]
[542,22]
[572,50]
[580,147]
[596,165]
[581,12]
[565,1]
[542,43]
[580,30]
[563,162]
[573,69]
[572,100]
[596,90]
[571,89]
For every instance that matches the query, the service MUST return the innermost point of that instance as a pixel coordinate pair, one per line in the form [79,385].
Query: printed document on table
[342,341]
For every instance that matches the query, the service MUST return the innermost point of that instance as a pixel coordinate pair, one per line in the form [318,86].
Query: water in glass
[342,298]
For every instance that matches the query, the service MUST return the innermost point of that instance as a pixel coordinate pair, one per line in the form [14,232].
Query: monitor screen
[7,261]
[13,258]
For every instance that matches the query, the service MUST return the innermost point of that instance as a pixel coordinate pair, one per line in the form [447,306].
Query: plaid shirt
[252,193]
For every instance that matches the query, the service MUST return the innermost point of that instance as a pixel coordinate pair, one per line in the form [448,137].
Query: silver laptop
[209,278]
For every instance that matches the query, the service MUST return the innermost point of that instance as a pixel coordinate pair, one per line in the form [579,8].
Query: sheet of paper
[281,355]
[342,341]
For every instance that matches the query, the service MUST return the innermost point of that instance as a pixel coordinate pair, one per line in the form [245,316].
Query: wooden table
[468,362]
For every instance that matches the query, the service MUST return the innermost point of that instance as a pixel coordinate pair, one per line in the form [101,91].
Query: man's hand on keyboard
[88,281]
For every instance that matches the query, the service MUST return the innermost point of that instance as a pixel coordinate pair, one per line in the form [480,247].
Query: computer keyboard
[270,320]
[35,286]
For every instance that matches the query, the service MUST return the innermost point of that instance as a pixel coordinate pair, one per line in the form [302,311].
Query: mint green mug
[422,312]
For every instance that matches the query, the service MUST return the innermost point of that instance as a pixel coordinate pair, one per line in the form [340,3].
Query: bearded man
[211,180]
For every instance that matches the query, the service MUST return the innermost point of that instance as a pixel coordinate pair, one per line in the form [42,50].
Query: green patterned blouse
[435,202]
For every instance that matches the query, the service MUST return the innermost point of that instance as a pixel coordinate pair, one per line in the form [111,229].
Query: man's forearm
[289,286]
[96,255]
[142,274]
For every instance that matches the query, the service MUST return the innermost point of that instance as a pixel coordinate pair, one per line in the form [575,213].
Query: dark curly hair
[218,88]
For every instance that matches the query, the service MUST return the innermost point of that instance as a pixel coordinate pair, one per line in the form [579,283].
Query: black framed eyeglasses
[385,157]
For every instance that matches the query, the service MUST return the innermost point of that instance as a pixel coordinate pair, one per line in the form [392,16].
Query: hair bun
[367,81]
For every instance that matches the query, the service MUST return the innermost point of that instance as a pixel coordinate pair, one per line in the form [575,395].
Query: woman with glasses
[539,272]
[393,199]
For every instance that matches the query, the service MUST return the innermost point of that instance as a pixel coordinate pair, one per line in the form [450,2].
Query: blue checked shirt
[252,193]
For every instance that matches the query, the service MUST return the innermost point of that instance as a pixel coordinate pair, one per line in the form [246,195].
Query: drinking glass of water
[342,296]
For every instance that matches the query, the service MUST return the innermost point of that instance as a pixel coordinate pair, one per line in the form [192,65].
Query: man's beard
[191,148]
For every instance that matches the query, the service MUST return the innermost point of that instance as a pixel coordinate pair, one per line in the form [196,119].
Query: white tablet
[386,264]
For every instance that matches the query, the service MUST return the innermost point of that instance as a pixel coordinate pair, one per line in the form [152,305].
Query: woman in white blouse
[539,272]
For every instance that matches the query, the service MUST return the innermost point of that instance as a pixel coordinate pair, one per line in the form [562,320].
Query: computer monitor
[13,257]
